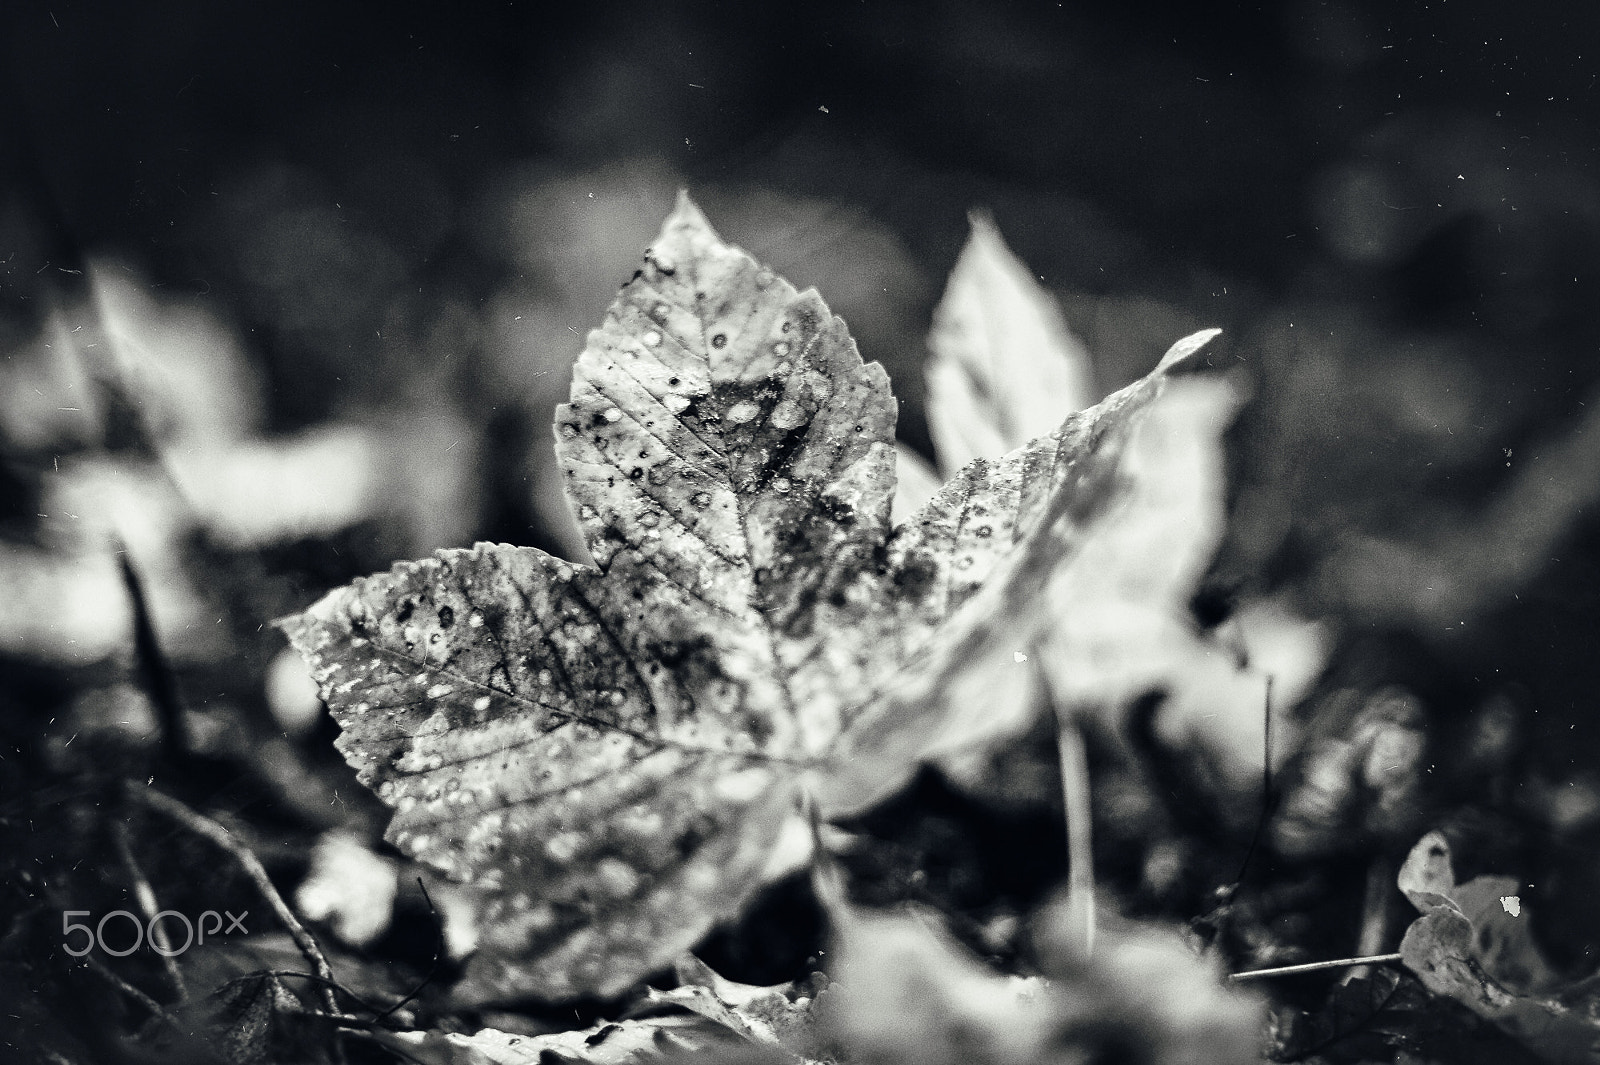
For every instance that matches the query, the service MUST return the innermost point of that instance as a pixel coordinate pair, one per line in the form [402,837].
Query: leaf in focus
[608,753]
[1468,946]
[779,1016]
[678,1037]
[1005,367]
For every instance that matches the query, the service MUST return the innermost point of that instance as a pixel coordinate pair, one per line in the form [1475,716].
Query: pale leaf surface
[608,753]
[778,1016]
[915,483]
[905,991]
[1005,367]
[1119,606]
[1053,516]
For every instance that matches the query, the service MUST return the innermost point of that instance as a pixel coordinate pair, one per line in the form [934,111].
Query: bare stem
[1080,849]
[201,825]
[1315,966]
[145,896]
[151,1006]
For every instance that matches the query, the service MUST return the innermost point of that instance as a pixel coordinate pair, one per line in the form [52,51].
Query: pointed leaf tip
[686,214]
[1006,367]
[981,220]
[1185,348]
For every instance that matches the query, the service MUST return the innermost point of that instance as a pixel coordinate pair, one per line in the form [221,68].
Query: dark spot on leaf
[917,574]
[779,456]
[841,512]
[447,617]
[673,381]
[601,1036]
[674,653]
[694,836]
[407,607]
[636,473]
[720,340]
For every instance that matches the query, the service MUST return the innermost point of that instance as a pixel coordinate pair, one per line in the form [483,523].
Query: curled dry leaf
[1468,946]
[609,752]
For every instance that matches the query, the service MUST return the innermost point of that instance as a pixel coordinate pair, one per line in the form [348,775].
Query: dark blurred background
[297,286]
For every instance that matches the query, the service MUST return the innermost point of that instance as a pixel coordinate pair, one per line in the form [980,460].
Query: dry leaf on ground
[609,753]
[1470,946]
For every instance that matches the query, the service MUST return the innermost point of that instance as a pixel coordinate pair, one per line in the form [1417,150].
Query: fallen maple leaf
[609,753]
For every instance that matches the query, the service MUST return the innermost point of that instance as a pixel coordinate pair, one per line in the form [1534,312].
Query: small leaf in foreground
[905,992]
[608,753]
[778,1016]
[1467,946]
[1005,367]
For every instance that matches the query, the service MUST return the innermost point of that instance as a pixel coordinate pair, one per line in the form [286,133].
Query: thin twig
[145,896]
[1315,966]
[201,825]
[438,951]
[154,669]
[1374,911]
[1266,785]
[1080,827]
[154,1008]
[334,984]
